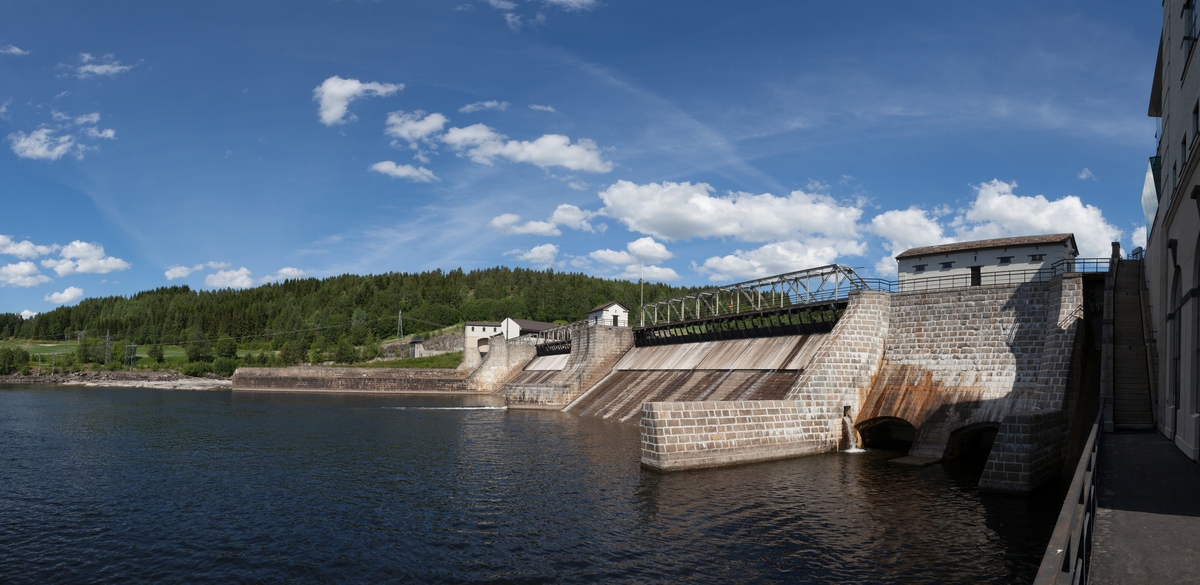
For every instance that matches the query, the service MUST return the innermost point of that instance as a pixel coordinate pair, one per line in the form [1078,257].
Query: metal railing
[1068,556]
[1005,277]
[815,285]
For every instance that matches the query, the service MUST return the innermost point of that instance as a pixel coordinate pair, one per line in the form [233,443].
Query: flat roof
[986,244]
[483,323]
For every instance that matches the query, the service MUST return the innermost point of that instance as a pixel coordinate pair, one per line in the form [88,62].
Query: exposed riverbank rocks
[164,380]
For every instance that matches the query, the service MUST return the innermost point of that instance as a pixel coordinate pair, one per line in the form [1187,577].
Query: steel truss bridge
[796,303]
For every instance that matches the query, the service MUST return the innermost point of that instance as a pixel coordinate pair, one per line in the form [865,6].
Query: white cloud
[542,108]
[1139,237]
[12,50]
[70,295]
[1086,174]
[998,213]
[681,211]
[501,4]
[414,127]
[515,22]
[776,258]
[4,107]
[904,229]
[542,256]
[648,272]
[488,105]
[285,273]
[508,223]
[648,250]
[41,144]
[24,249]
[27,314]
[483,144]
[573,4]
[564,215]
[614,257]
[335,95]
[578,185]
[239,278]
[178,271]
[107,133]
[91,66]
[217,265]
[22,274]
[391,169]
[91,118]
[83,257]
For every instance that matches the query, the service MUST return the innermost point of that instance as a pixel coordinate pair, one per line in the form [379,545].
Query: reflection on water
[148,485]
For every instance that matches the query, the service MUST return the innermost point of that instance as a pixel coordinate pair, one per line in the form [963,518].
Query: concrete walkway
[1148,521]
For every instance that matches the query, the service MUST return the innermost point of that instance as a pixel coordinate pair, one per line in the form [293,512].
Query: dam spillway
[741,369]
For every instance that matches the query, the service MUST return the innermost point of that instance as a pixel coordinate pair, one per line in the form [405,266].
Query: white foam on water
[855,450]
[447,407]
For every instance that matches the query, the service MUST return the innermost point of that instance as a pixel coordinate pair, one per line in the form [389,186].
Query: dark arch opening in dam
[972,441]
[889,433]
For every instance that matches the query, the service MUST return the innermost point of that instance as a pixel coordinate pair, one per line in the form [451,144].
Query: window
[1037,257]
[1006,259]
[1195,122]
[919,267]
[1189,15]
[947,265]
[472,328]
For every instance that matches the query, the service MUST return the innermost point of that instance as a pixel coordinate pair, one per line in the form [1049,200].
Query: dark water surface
[134,485]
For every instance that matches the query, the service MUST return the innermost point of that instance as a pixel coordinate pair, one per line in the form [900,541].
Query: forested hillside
[348,307]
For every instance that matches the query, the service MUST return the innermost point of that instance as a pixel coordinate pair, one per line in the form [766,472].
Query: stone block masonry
[594,352]
[321,379]
[696,435]
[505,359]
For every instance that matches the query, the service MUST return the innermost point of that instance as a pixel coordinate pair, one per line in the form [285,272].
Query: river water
[136,485]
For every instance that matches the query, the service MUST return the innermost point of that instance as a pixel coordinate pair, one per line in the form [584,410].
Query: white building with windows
[981,262]
[477,333]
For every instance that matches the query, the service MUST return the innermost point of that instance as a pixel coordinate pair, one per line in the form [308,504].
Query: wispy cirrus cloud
[11,49]
[90,65]
[487,105]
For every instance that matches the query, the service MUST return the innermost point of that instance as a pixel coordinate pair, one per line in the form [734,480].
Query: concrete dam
[939,371]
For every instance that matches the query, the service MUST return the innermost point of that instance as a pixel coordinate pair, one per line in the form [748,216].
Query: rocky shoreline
[164,380]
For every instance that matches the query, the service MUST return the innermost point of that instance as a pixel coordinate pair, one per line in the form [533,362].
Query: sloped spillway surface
[742,369]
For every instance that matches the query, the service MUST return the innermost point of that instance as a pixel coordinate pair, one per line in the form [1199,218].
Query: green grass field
[446,361]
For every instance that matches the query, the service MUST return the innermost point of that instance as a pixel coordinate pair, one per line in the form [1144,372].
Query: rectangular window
[1037,257]
[919,267]
[947,265]
[1006,259]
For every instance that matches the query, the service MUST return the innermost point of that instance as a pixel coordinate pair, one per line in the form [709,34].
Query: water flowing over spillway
[741,369]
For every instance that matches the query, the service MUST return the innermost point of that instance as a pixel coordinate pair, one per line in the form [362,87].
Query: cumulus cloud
[22,274]
[23,249]
[1086,174]
[649,273]
[564,215]
[12,50]
[239,278]
[482,145]
[391,169]
[542,108]
[42,144]
[542,256]
[27,314]
[180,271]
[335,94]
[903,229]
[92,66]
[285,273]
[639,260]
[1139,236]
[681,211]
[777,258]
[70,295]
[83,257]
[488,105]
[510,223]
[414,127]
[649,251]
[997,213]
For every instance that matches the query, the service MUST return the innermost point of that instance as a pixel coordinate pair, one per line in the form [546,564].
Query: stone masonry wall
[695,435]
[505,359]
[319,379]
[1027,453]
[594,352]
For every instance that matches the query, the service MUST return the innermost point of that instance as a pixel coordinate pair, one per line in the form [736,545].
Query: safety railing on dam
[1004,277]
[1068,555]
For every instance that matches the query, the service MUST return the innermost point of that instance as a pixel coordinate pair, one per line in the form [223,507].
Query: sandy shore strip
[164,380]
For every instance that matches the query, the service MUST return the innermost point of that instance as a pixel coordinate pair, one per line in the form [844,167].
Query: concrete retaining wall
[695,435]
[319,379]
[504,360]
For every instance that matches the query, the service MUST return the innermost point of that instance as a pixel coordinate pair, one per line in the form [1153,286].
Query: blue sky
[225,144]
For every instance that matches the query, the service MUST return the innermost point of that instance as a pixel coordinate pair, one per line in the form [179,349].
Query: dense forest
[347,308]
